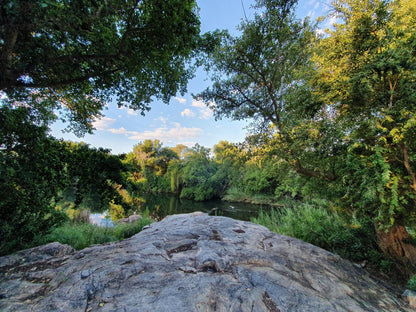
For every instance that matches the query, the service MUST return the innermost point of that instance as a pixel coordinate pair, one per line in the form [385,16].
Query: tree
[340,109]
[179,149]
[365,73]
[261,75]
[31,175]
[148,165]
[197,152]
[92,173]
[76,55]
[200,175]
[253,73]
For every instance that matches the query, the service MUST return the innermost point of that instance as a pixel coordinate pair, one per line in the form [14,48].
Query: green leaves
[79,54]
[31,173]
[254,73]
[340,106]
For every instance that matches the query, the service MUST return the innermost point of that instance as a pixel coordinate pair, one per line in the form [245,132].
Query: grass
[315,223]
[82,235]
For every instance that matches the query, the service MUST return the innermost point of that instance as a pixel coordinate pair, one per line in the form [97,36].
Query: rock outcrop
[191,262]
[130,219]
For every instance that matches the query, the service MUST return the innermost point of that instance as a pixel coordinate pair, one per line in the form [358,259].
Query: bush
[116,211]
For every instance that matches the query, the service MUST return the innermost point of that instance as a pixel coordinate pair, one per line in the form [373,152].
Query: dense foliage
[318,224]
[66,59]
[42,178]
[76,55]
[31,174]
[337,109]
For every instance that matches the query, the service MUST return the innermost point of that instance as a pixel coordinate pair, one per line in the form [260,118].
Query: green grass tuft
[322,227]
[82,235]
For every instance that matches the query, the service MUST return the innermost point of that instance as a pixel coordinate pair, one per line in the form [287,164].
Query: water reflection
[101,219]
[162,205]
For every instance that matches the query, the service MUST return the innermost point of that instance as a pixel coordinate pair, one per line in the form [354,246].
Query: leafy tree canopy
[254,73]
[339,109]
[76,55]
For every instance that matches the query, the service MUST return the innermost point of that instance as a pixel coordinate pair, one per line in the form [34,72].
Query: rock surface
[191,262]
[130,219]
[410,296]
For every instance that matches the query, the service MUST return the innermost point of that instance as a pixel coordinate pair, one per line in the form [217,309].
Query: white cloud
[205,113]
[188,113]
[180,100]
[333,20]
[198,103]
[164,134]
[320,32]
[162,119]
[131,112]
[188,143]
[103,123]
[119,131]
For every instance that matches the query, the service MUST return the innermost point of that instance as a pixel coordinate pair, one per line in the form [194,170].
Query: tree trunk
[398,244]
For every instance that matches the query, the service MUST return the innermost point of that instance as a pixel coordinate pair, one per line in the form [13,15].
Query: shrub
[116,211]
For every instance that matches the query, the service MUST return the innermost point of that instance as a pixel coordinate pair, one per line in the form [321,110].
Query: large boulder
[191,262]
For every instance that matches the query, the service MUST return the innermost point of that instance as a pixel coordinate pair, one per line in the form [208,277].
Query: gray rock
[193,262]
[410,296]
[130,219]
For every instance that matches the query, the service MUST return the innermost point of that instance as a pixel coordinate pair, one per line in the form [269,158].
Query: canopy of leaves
[339,109]
[75,55]
[255,73]
[365,74]
[31,174]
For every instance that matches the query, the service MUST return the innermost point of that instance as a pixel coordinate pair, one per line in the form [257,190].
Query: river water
[162,205]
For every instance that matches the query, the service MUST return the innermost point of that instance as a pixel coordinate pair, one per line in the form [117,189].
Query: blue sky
[184,120]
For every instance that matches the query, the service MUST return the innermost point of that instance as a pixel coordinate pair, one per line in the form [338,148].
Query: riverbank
[236,196]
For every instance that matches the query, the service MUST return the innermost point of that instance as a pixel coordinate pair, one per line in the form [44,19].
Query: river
[162,205]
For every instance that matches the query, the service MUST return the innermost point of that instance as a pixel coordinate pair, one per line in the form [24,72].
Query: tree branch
[405,150]
[328,176]
[57,84]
